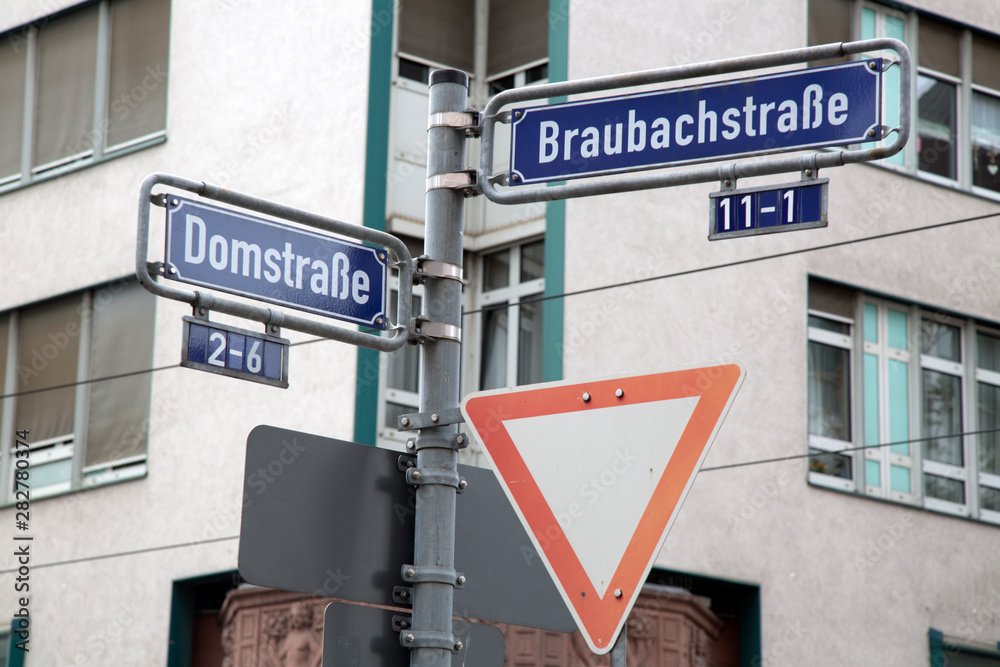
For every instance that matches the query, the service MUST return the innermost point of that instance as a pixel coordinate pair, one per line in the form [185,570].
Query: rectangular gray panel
[335,518]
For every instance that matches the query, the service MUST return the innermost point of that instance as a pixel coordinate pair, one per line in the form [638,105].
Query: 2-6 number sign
[227,350]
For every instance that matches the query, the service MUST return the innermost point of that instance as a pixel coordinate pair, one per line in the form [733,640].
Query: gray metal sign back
[495,112]
[357,636]
[334,518]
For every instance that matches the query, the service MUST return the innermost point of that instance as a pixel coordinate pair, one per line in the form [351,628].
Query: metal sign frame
[274,318]
[583,187]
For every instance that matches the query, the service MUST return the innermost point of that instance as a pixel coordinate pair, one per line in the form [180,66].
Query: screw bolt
[727,182]
[586,397]
[619,393]
[461,579]
[416,474]
[463,484]
[175,202]
[515,177]
[409,638]
[871,133]
[202,311]
[618,592]
[460,440]
[459,646]
[410,572]
[404,624]
[809,172]
[405,421]
[517,114]
[435,418]
[410,444]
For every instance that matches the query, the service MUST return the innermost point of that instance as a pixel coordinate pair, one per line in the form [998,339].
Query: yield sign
[597,470]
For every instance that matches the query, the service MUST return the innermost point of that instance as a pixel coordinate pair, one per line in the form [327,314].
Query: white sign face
[597,471]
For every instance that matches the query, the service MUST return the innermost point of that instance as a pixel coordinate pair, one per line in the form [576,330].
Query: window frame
[70,446]
[28,36]
[970,376]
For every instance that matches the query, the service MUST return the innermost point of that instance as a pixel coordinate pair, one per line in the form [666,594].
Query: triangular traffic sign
[597,470]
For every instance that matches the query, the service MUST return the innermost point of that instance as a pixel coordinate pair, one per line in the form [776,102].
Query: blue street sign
[768,208]
[261,259]
[228,350]
[808,108]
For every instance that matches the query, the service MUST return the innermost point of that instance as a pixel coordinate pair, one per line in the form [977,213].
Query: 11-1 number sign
[766,209]
[227,350]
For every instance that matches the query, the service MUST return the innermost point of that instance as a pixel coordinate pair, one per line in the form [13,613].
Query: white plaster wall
[843,579]
[264,99]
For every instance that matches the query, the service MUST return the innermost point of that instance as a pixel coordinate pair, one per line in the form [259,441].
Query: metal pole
[434,576]
[620,648]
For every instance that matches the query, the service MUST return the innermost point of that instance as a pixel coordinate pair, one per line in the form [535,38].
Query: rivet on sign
[586,397]
[459,646]
[618,592]
[619,393]
[176,202]
[517,114]
[871,133]
[515,177]
[461,579]
[462,484]
[378,320]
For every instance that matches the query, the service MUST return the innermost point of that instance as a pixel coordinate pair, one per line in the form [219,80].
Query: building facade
[848,512]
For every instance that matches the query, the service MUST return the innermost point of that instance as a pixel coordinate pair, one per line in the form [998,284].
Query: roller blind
[48,352]
[12,64]
[121,342]
[67,59]
[831,298]
[518,34]
[137,86]
[441,31]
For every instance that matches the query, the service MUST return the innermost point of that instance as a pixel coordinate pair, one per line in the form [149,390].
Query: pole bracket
[438,574]
[420,420]
[424,330]
[428,639]
[440,476]
[466,180]
[403,595]
[439,440]
[431,268]
[469,120]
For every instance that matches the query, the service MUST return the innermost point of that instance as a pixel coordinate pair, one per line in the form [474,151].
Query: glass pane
[137,84]
[403,365]
[989,499]
[899,406]
[829,21]
[943,416]
[986,141]
[867,24]
[936,126]
[829,325]
[47,474]
[985,56]
[899,478]
[871,323]
[940,340]
[939,46]
[4,336]
[532,261]
[518,34]
[988,352]
[944,488]
[441,31]
[493,368]
[121,342]
[829,391]
[67,57]
[496,270]
[989,418]
[12,66]
[529,343]
[872,429]
[873,473]
[836,465]
[49,348]
[394,410]
[897,329]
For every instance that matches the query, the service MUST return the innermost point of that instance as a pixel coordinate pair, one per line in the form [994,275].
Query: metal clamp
[419,420]
[469,120]
[440,476]
[425,330]
[439,440]
[437,574]
[466,180]
[402,595]
[429,639]
[431,268]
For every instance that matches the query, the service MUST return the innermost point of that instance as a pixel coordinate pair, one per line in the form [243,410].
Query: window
[83,430]
[955,138]
[948,652]
[82,86]
[904,402]
[502,336]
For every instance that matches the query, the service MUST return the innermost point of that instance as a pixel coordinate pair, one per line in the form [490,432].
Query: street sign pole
[433,573]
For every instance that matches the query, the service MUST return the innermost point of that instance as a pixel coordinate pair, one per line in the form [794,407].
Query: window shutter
[441,31]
